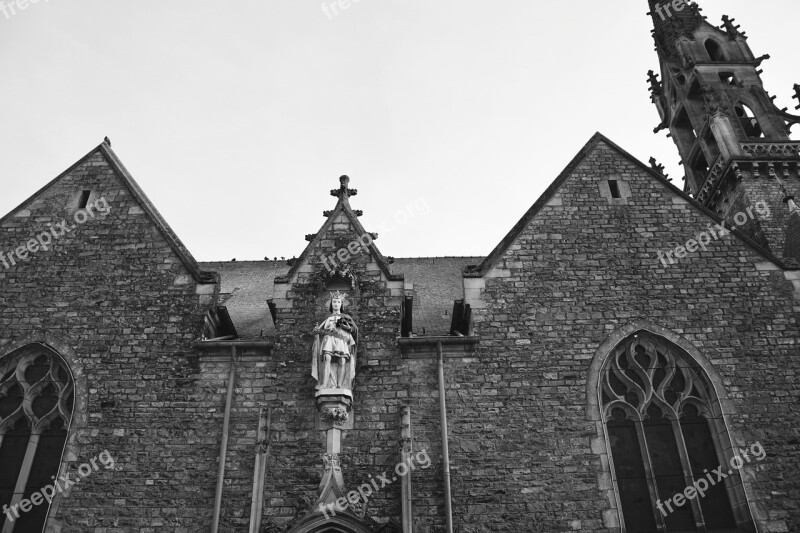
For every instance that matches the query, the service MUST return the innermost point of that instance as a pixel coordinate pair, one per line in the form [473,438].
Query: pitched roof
[136,192]
[437,282]
[503,246]
[246,286]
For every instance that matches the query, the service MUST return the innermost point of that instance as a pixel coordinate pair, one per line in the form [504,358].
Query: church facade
[626,359]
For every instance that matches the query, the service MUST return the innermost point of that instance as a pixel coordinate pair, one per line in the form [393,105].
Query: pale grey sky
[237,118]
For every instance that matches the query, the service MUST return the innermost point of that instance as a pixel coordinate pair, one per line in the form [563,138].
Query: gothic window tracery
[665,430]
[36,401]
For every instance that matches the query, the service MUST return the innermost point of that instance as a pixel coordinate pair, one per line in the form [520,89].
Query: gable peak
[344,192]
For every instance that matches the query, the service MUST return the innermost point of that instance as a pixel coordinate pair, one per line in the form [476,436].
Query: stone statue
[333,362]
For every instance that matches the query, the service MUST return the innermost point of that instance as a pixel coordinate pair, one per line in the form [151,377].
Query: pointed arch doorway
[340,523]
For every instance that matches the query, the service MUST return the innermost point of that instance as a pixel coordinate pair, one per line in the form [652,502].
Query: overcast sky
[237,118]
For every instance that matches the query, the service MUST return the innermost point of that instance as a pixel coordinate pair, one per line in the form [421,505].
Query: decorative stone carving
[789,149]
[712,180]
[715,101]
[333,362]
[333,366]
[337,415]
[643,374]
[339,271]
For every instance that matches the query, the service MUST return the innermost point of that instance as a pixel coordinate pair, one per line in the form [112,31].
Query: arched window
[36,400]
[748,121]
[665,431]
[714,50]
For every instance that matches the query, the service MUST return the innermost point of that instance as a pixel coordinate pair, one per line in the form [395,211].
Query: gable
[640,188]
[102,174]
[341,238]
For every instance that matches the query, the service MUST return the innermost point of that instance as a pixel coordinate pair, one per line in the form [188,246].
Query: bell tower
[733,141]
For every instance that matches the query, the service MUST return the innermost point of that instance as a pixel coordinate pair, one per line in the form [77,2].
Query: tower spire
[671,21]
[732,139]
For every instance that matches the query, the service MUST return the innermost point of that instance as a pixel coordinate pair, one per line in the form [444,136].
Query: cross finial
[343,192]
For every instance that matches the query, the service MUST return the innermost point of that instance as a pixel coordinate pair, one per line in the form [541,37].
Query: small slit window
[616,191]
[84,199]
[614,188]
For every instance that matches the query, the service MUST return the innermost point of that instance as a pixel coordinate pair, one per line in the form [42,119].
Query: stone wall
[116,301]
[120,305]
[580,270]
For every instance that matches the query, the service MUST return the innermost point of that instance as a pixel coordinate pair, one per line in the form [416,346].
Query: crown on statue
[337,295]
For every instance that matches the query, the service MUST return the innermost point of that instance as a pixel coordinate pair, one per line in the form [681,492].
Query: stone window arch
[663,428]
[748,120]
[36,405]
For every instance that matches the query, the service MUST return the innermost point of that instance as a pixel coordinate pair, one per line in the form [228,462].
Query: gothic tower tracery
[733,141]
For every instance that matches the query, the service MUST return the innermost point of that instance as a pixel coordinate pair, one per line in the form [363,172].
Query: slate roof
[246,286]
[437,282]
[244,290]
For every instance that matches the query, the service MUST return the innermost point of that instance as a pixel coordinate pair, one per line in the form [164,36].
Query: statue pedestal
[334,392]
[335,408]
[335,414]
